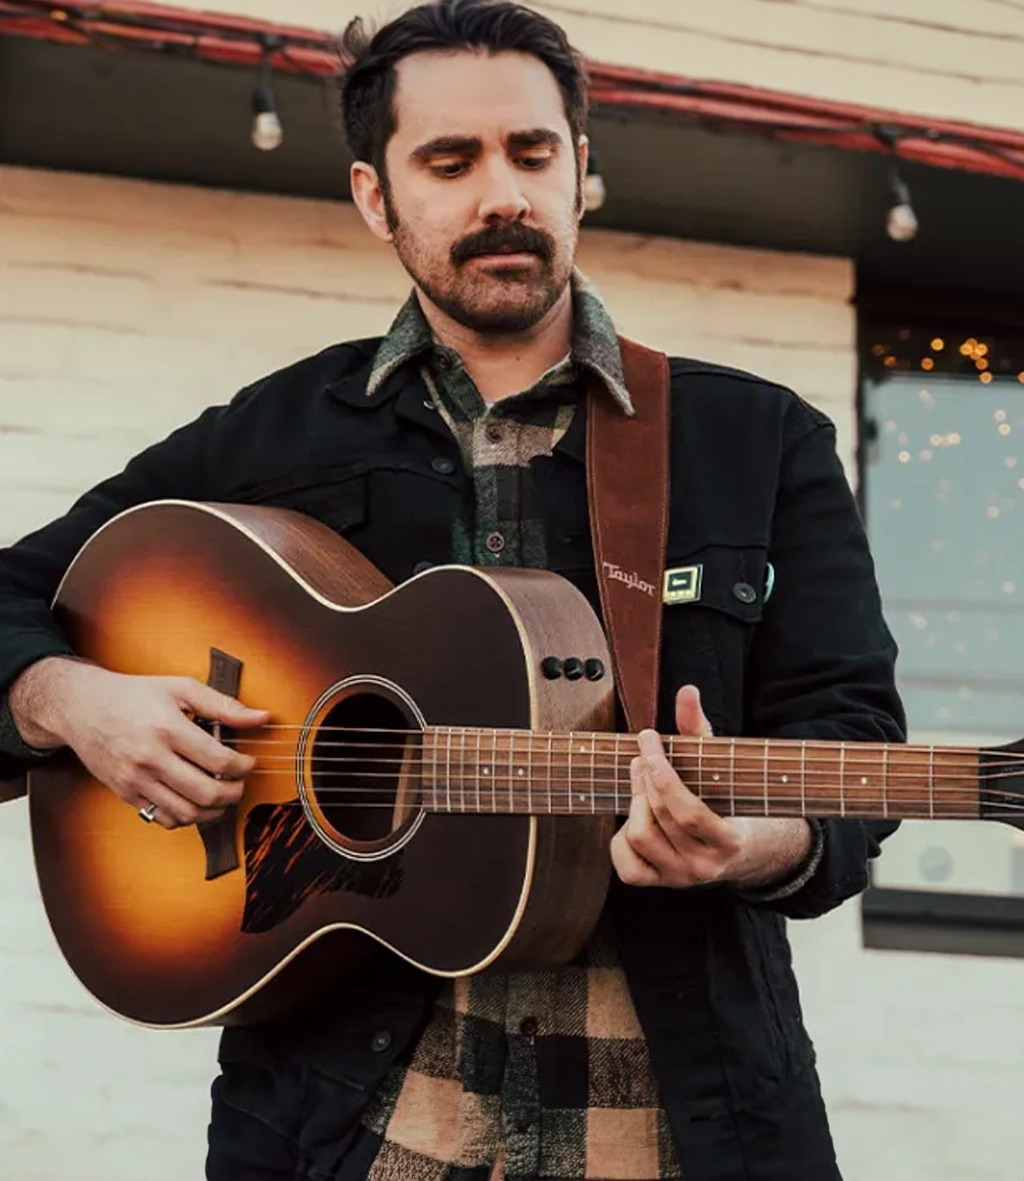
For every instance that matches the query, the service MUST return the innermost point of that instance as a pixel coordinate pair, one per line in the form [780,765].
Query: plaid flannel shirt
[533,1074]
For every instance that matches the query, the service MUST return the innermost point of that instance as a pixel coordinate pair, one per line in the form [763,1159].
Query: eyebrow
[448,145]
[534,138]
[471,145]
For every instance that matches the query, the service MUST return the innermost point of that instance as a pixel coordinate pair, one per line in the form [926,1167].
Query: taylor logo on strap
[682,585]
[629,577]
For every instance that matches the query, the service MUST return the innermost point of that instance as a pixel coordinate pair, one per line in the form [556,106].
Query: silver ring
[148,813]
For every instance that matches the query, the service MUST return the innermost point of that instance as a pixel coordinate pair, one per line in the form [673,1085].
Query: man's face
[482,190]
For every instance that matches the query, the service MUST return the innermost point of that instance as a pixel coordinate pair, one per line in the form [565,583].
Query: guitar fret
[619,757]
[432,756]
[448,769]
[885,782]
[529,776]
[551,763]
[593,774]
[931,782]
[700,765]
[766,779]
[732,776]
[803,777]
[479,798]
[842,779]
[511,769]
[494,770]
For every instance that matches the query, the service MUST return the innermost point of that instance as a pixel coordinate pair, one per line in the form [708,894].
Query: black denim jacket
[758,499]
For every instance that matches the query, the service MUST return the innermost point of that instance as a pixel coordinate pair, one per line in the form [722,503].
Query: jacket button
[495,542]
[421,567]
[381,1041]
[528,1027]
[442,466]
[744,592]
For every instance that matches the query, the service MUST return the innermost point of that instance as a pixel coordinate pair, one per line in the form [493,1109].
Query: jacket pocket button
[443,467]
[381,1041]
[744,592]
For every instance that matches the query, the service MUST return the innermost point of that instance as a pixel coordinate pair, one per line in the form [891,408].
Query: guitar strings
[724,752]
[472,733]
[755,803]
[468,759]
[495,792]
[540,770]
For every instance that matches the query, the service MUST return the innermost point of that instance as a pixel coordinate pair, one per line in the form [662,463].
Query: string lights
[134,25]
[267,132]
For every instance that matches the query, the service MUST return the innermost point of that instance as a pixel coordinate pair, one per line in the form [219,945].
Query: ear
[582,156]
[368,196]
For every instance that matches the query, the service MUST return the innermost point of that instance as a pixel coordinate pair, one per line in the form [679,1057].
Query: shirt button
[494,433]
[744,592]
[442,466]
[495,542]
[381,1041]
[528,1026]
[422,567]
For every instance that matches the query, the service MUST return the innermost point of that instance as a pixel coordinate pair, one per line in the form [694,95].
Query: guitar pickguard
[286,863]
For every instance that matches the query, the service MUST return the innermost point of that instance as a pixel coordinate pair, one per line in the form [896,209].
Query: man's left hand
[672,838]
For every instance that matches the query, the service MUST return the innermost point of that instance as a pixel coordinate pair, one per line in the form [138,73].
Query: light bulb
[901,224]
[594,192]
[267,132]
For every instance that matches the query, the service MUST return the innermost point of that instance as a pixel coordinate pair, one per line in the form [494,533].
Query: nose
[503,198]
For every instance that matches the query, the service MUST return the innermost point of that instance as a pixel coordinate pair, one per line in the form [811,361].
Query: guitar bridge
[219,836]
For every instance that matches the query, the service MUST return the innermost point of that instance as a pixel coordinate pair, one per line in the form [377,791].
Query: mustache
[513,237]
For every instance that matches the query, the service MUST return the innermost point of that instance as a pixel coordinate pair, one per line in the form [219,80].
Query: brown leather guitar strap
[628,493]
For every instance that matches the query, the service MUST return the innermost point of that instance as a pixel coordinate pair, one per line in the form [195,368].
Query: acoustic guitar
[437,775]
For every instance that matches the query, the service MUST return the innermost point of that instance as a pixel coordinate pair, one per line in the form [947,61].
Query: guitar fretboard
[512,771]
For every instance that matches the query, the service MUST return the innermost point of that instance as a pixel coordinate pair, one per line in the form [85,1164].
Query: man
[674,1047]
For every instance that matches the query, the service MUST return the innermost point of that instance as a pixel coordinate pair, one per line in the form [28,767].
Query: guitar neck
[517,771]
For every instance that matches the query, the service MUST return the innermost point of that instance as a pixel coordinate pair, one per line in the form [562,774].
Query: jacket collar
[404,384]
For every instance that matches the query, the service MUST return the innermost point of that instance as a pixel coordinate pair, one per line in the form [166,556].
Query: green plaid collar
[595,344]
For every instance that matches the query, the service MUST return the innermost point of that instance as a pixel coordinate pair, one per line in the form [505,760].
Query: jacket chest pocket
[706,635]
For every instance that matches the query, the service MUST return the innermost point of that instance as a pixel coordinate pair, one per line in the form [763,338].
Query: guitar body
[329,847]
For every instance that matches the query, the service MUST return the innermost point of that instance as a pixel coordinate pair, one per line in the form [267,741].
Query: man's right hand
[134,734]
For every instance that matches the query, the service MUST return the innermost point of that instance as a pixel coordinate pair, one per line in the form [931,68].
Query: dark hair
[494,26]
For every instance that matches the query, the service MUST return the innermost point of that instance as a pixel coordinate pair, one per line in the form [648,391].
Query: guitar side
[134,908]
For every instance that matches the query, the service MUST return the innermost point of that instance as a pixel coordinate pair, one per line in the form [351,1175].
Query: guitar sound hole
[365,767]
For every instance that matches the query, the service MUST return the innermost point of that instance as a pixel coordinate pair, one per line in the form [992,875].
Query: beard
[505,301]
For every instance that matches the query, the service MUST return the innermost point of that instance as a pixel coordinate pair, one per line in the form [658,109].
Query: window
[942,457]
